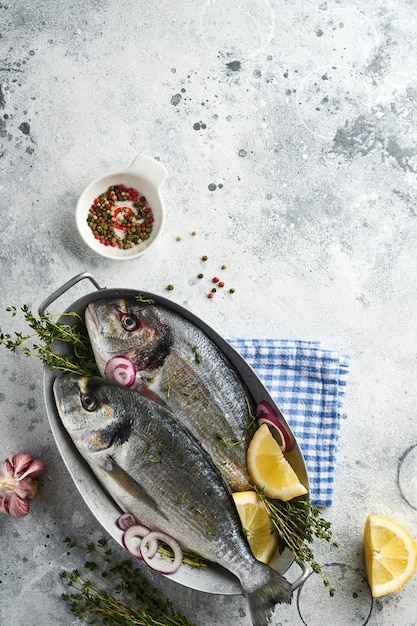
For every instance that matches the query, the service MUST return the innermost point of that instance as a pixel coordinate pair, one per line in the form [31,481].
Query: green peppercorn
[204,258]
[170,287]
[200,276]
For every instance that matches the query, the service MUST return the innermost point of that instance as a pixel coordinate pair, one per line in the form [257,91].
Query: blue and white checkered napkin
[308,384]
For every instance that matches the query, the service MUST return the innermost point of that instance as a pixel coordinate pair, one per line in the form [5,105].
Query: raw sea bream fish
[176,360]
[153,467]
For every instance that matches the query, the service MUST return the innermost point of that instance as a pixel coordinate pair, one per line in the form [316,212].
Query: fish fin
[142,388]
[125,480]
[263,598]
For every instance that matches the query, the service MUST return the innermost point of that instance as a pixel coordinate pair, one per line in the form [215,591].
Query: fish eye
[88,401]
[129,322]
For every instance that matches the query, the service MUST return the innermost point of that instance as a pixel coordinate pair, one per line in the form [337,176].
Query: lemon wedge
[257,525]
[390,555]
[269,469]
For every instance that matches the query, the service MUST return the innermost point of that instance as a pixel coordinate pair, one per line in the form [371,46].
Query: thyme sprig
[113,592]
[140,298]
[77,357]
[298,523]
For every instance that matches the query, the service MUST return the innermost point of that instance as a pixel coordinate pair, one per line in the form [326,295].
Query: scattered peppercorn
[221,283]
[194,232]
[215,279]
[210,295]
[231,290]
[179,238]
[204,258]
[170,287]
[200,276]
[214,290]
[224,267]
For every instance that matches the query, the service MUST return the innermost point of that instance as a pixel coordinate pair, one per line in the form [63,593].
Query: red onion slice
[268,415]
[126,520]
[278,430]
[130,540]
[120,370]
[161,565]
[265,407]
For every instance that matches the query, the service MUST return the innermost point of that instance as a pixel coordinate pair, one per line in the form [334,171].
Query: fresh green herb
[194,396]
[113,592]
[198,355]
[299,523]
[145,451]
[140,298]
[154,460]
[54,336]
[181,499]
[230,443]
[188,558]
[209,531]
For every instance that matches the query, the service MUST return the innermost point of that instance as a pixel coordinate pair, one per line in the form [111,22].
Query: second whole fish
[177,360]
[152,466]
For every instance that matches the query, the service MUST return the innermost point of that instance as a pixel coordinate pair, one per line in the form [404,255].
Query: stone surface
[289,133]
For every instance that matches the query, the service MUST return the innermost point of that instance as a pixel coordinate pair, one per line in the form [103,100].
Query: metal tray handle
[307,571]
[65,287]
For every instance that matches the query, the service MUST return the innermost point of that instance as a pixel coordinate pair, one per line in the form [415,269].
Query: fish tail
[262,598]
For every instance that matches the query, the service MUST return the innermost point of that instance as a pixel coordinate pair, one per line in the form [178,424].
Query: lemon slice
[390,555]
[257,525]
[270,469]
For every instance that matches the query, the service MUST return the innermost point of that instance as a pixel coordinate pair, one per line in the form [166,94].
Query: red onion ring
[265,407]
[132,533]
[279,431]
[163,567]
[120,370]
[126,520]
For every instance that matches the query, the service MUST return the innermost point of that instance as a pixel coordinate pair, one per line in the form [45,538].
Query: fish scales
[152,466]
[177,360]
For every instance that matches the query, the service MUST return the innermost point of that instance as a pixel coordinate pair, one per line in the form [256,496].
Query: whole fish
[152,466]
[177,360]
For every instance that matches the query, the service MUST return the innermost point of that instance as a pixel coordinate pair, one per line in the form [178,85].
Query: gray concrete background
[289,131]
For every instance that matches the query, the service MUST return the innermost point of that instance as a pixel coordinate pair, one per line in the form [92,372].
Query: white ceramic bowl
[146,176]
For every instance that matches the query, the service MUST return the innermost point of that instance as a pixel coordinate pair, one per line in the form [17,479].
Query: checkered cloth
[308,384]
